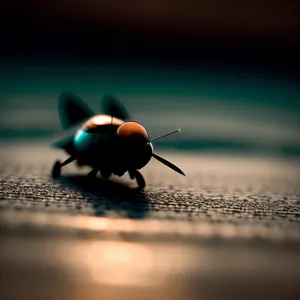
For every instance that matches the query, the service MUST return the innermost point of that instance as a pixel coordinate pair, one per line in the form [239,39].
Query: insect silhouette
[110,143]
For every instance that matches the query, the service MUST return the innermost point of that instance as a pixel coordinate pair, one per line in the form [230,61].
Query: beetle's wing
[66,144]
[111,106]
[72,110]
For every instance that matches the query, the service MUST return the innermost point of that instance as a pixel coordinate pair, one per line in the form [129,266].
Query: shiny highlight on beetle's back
[101,120]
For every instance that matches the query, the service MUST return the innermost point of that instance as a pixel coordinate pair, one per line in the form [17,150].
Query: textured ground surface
[231,228]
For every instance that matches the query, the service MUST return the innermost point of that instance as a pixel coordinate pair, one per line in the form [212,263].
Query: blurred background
[227,73]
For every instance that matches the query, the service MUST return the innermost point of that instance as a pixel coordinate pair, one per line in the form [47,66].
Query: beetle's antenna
[162,136]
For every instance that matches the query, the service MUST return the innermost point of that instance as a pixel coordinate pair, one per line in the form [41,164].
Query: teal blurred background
[216,109]
[227,75]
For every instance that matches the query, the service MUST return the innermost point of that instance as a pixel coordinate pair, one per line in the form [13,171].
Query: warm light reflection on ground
[128,264]
[63,260]
[117,263]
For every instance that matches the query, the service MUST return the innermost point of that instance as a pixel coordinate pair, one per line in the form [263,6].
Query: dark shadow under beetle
[109,198]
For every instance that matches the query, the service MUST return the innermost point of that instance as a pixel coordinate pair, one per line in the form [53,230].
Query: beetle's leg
[140,179]
[67,161]
[56,169]
[92,174]
[131,174]
[105,173]
[120,173]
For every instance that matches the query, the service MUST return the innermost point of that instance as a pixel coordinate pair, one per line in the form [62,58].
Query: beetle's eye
[133,132]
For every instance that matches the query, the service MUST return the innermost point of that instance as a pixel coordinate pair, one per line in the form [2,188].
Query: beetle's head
[135,144]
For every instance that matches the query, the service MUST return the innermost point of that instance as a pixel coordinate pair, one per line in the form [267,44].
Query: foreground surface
[231,229]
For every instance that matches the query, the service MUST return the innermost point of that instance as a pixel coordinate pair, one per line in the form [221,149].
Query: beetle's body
[105,142]
[93,142]
[96,145]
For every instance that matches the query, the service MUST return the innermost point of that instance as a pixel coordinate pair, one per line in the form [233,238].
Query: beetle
[110,143]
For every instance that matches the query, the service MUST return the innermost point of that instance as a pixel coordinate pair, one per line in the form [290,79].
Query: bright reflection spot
[117,263]
[106,120]
[95,224]
[121,263]
[80,135]
[102,119]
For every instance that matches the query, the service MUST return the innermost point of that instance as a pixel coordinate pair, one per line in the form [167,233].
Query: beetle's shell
[95,131]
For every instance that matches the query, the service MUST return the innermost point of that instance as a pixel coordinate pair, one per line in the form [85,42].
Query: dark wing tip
[72,110]
[112,106]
